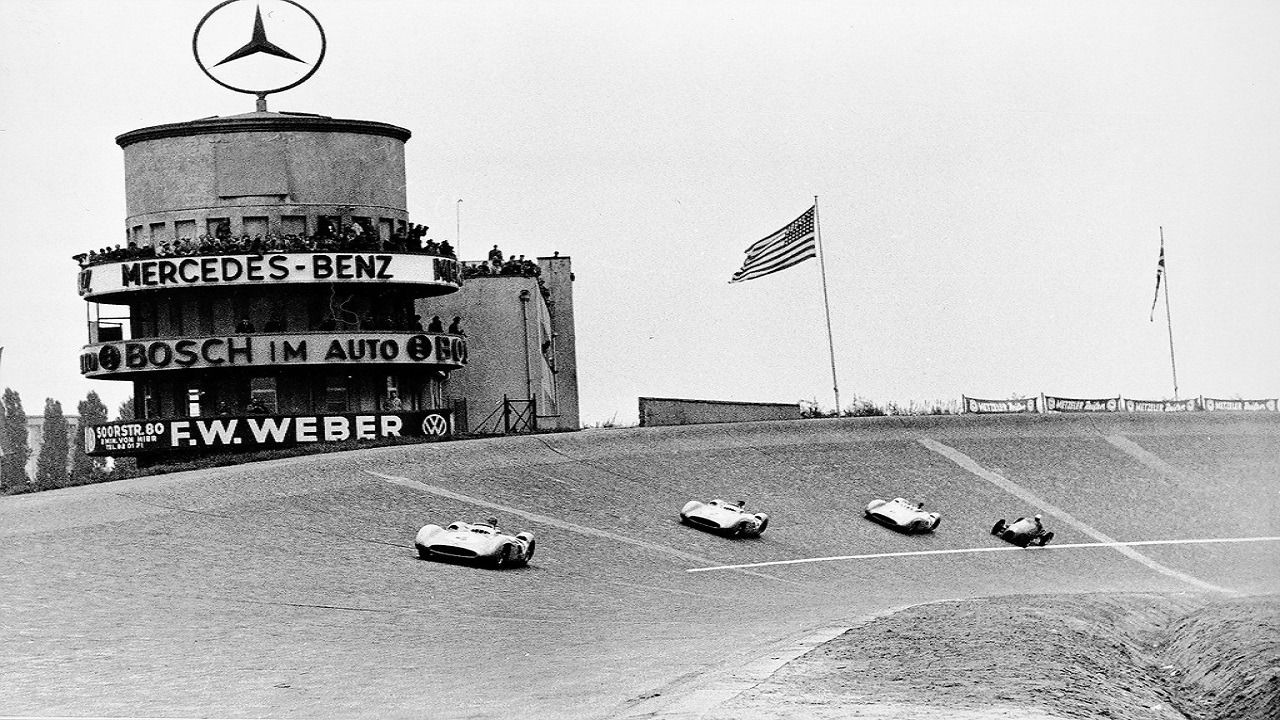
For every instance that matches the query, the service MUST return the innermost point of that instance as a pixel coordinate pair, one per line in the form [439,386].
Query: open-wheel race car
[1022,532]
[475,542]
[722,517]
[903,515]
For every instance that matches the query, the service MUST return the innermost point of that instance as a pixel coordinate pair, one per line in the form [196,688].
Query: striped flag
[1159,276]
[789,246]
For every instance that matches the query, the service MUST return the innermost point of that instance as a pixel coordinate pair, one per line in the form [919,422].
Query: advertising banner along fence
[140,437]
[1188,405]
[1268,405]
[1061,404]
[1018,405]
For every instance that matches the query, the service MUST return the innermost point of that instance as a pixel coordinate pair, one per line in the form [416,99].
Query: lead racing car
[903,515]
[722,517]
[475,542]
[1022,532]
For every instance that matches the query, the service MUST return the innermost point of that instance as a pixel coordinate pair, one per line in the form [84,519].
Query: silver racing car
[477,542]
[1022,532]
[720,516]
[903,515]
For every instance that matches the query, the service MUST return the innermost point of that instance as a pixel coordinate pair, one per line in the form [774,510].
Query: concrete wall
[558,277]
[261,171]
[676,411]
[517,348]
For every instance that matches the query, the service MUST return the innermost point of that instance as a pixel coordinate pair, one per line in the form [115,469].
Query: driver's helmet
[742,503]
[1037,518]
[493,521]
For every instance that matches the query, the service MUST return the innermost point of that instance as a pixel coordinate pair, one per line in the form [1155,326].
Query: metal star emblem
[259,44]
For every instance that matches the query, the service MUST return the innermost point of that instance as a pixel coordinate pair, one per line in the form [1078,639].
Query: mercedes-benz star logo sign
[285,45]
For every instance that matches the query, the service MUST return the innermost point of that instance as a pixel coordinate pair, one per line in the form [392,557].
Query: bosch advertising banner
[1240,405]
[130,356]
[224,270]
[139,437]
[1189,405]
[1020,405]
[1061,404]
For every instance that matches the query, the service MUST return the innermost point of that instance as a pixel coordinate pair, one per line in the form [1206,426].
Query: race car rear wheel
[998,527]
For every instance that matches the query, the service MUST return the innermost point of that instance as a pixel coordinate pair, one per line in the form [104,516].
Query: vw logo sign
[435,425]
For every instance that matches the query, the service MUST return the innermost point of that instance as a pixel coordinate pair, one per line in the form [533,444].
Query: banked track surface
[290,589]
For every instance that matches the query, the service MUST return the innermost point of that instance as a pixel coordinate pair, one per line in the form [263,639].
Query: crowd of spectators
[497,266]
[399,321]
[330,238]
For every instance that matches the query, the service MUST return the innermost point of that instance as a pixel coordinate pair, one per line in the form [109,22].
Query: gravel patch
[1126,657]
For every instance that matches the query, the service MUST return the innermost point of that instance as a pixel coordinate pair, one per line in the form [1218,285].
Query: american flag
[791,245]
[1159,275]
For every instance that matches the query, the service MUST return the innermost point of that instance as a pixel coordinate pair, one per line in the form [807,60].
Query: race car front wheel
[424,553]
[500,560]
[998,527]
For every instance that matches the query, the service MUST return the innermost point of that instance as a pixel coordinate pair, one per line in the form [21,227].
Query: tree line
[61,462]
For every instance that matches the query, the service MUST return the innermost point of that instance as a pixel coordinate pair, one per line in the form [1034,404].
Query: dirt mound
[1088,656]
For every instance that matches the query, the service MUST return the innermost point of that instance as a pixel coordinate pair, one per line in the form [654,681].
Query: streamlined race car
[1022,532]
[720,516]
[478,542]
[903,515]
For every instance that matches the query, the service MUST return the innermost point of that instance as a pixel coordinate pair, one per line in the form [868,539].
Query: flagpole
[1169,318]
[457,237]
[826,303]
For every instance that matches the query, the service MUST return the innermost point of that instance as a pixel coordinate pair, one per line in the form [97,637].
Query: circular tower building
[265,292]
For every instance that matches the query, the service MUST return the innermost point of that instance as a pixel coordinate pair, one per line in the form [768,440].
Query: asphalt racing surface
[291,589]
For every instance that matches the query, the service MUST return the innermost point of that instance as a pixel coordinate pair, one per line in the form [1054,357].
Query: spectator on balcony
[436,325]
[256,407]
[393,401]
[417,323]
[446,250]
[455,327]
[245,325]
[495,255]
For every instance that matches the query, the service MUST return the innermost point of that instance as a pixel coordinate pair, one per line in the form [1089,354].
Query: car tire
[740,530]
[1045,538]
[500,560]
[764,524]
[998,527]
[1023,542]
[684,519]
[936,523]
[423,553]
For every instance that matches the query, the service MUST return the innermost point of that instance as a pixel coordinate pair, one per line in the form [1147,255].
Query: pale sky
[992,177]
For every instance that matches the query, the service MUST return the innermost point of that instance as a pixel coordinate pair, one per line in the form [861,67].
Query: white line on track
[1030,498]
[554,522]
[962,551]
